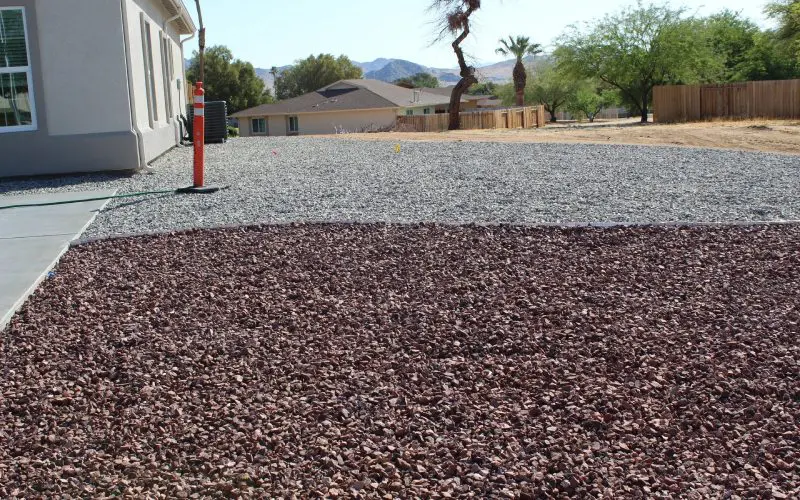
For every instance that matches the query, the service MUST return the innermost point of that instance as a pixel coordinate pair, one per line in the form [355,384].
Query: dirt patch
[405,361]
[768,136]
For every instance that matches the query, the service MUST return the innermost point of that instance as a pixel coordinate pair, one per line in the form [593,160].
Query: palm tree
[519,47]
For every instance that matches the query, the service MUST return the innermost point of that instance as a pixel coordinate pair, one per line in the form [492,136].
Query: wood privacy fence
[768,99]
[527,117]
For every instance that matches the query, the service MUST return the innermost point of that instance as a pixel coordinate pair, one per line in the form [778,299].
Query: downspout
[164,27]
[142,163]
[178,125]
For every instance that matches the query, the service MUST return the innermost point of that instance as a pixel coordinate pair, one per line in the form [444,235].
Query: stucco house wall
[91,108]
[325,123]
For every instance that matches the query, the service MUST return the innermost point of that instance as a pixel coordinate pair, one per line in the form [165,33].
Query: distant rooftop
[350,95]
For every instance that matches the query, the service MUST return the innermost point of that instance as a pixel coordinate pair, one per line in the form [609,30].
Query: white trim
[29,74]
[166,73]
[149,70]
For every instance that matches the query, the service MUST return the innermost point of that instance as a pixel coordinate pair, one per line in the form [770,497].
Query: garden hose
[99,198]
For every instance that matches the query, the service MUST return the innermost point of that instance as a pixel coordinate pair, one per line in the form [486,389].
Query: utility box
[216,121]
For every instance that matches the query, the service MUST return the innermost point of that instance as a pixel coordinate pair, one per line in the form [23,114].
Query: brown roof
[449,90]
[348,95]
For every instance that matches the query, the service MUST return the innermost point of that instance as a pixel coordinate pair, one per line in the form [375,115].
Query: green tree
[455,20]
[731,39]
[552,88]
[487,88]
[313,73]
[228,79]
[549,86]
[519,47]
[787,13]
[637,49]
[768,59]
[590,99]
[420,80]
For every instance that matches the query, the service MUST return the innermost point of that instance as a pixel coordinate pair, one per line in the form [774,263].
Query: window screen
[17,110]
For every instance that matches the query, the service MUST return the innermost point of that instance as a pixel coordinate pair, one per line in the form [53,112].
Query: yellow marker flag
[396,148]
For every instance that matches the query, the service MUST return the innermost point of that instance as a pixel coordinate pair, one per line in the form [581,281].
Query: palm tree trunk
[520,80]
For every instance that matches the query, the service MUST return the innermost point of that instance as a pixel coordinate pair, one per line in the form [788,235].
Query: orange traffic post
[199,128]
[199,141]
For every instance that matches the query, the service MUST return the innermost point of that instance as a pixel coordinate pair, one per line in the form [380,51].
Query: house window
[294,125]
[409,112]
[149,72]
[427,111]
[259,125]
[17,109]
[167,74]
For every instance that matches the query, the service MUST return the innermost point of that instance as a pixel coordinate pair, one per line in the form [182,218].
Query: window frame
[296,119]
[167,73]
[426,111]
[149,71]
[253,128]
[28,72]
[409,112]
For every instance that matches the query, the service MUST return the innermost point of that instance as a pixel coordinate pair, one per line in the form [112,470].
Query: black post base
[198,190]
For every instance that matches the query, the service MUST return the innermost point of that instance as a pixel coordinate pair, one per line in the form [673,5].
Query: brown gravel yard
[776,136]
[401,361]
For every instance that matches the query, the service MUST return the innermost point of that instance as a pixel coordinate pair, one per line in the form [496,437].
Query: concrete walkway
[33,239]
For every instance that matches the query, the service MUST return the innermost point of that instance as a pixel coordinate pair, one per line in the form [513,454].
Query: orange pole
[199,132]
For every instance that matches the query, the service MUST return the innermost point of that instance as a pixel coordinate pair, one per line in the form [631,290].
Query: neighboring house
[344,106]
[468,101]
[89,85]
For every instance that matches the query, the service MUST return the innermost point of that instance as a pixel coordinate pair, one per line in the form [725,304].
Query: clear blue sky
[274,33]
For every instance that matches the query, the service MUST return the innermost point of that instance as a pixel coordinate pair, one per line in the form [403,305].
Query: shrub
[233,131]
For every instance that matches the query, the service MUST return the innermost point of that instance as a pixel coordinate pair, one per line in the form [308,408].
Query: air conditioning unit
[216,121]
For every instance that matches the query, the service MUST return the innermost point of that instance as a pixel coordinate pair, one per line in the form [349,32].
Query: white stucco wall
[326,123]
[277,125]
[85,76]
[164,132]
[353,121]
[416,111]
[83,66]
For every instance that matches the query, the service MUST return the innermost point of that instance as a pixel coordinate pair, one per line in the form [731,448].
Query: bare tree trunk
[202,43]
[467,76]
[552,111]
[644,110]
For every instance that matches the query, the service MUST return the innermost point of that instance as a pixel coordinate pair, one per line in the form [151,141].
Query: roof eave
[177,8]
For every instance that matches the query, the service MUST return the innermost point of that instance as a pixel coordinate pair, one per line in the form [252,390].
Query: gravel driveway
[307,179]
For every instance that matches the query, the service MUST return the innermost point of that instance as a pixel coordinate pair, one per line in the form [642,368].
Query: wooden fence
[527,117]
[768,99]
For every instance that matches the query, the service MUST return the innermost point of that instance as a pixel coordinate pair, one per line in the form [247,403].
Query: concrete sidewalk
[33,239]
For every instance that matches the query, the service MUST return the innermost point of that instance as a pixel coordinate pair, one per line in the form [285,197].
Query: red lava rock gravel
[402,361]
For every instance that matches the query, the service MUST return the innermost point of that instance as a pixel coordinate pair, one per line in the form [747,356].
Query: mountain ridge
[391,69]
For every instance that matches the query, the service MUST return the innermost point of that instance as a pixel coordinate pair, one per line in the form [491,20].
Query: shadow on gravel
[31,183]
[136,201]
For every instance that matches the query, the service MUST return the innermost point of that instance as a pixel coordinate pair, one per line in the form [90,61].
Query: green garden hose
[99,198]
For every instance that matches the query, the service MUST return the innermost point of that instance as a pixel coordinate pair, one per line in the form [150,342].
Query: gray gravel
[306,179]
